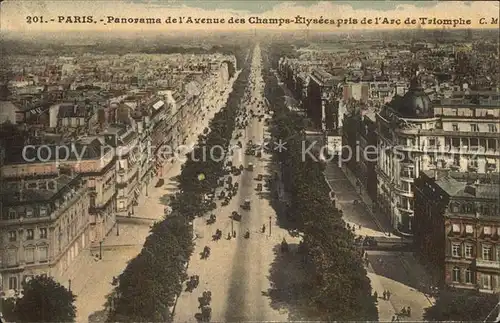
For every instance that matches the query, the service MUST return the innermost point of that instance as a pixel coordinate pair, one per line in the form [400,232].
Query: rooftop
[62,184]
[455,188]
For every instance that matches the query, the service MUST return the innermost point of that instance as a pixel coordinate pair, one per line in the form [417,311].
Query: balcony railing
[490,264]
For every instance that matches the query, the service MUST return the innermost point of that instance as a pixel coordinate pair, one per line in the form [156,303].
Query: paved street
[237,269]
[91,278]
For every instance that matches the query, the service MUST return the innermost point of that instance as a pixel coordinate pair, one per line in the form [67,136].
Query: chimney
[470,189]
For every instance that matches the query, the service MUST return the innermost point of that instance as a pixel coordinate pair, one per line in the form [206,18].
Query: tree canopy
[45,300]
[341,288]
[457,305]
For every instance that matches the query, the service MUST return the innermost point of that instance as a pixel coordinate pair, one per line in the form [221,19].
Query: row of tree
[148,287]
[340,287]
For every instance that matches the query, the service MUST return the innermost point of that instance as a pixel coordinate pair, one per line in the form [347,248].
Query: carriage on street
[236,216]
[212,219]
[246,204]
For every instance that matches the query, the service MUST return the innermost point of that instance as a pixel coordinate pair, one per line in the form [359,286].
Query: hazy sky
[14,13]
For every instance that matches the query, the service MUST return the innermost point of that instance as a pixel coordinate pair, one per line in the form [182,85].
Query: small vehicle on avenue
[246,205]
[236,216]
[212,219]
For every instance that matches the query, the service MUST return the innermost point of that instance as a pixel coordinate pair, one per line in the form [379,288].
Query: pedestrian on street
[375,296]
[384,295]
[408,311]
[388,295]
[234,234]
[359,227]
[393,318]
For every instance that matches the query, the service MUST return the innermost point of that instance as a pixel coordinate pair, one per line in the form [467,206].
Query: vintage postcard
[249,161]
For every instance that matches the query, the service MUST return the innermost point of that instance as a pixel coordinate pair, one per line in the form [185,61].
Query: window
[12,257]
[432,142]
[487,230]
[456,274]
[12,214]
[12,236]
[455,250]
[456,228]
[432,160]
[486,252]
[29,254]
[43,211]
[486,281]
[492,127]
[469,229]
[30,234]
[455,127]
[468,276]
[29,212]
[43,233]
[474,127]
[12,282]
[468,251]
[43,253]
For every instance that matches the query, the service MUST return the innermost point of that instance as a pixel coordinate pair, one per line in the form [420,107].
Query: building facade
[415,134]
[457,230]
[45,224]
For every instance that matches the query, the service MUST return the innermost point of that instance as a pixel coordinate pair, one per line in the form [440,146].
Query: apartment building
[44,224]
[124,140]
[89,157]
[415,134]
[457,230]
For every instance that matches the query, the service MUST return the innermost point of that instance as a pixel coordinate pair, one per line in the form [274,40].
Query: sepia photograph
[193,161]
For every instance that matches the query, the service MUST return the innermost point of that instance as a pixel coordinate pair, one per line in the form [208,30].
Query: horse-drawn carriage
[205,253]
[226,201]
[205,315]
[259,187]
[206,311]
[236,216]
[246,205]
[192,283]
[205,299]
[212,219]
[217,235]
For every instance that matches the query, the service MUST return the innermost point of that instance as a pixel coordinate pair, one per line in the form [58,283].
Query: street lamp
[117,228]
[69,285]
[100,249]
[269,226]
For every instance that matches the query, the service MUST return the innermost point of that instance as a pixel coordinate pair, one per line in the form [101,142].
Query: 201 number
[34,19]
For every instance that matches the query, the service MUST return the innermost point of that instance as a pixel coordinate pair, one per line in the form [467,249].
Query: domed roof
[415,103]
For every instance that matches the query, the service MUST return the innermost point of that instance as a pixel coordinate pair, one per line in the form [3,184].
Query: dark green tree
[45,300]
[457,305]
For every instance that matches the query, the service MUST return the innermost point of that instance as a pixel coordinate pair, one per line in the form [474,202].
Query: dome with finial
[415,103]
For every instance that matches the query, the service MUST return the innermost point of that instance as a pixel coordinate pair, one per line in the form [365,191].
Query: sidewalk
[382,222]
